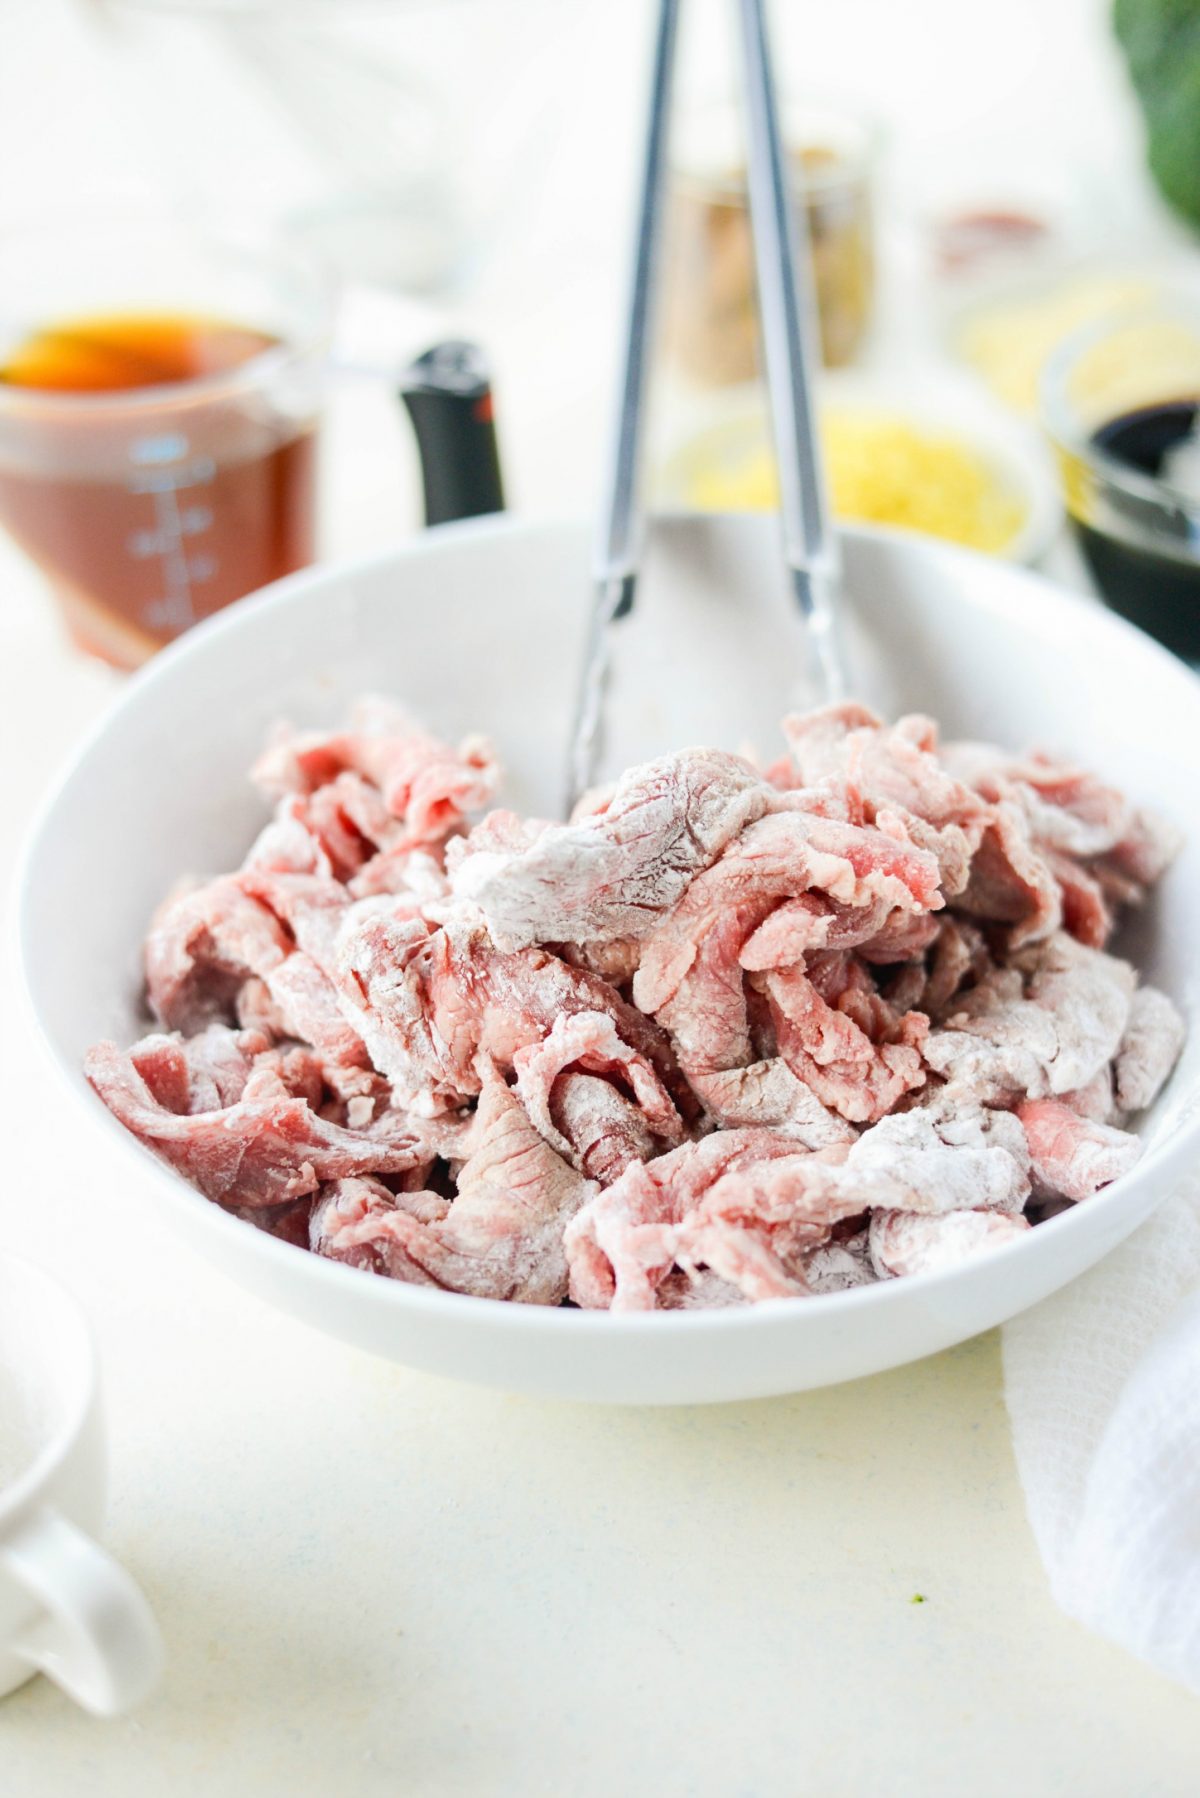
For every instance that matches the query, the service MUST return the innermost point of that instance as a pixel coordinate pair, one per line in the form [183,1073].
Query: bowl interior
[480,627]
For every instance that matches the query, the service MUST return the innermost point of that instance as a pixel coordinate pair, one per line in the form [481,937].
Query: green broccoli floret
[1161,41]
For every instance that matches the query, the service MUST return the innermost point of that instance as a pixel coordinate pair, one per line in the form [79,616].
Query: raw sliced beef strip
[502,1235]
[1149,1048]
[612,873]
[202,945]
[768,1093]
[1042,1027]
[266,1148]
[905,1242]
[437,1007]
[1072,1156]
[205,1072]
[892,777]
[588,1042]
[352,1221]
[745,1204]
[421,781]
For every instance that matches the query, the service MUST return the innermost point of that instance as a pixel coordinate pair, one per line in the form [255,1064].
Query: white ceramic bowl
[479,626]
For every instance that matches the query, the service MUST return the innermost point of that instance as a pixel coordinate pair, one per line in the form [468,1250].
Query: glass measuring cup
[151,506]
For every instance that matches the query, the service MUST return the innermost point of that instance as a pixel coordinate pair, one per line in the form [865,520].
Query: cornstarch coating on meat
[729,1035]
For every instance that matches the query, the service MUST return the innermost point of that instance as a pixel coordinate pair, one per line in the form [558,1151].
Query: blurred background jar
[712,323]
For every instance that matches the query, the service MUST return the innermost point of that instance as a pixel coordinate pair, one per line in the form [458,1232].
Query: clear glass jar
[712,320]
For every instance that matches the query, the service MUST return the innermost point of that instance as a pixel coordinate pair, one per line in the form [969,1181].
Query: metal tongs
[787,316]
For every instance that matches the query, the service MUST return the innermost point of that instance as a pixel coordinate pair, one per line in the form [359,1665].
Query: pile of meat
[730,1034]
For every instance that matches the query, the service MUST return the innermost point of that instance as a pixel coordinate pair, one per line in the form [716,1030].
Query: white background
[373,1582]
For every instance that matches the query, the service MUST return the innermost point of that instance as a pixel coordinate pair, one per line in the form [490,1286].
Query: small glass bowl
[1120,403]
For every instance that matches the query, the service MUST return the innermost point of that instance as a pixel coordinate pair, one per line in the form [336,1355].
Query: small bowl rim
[1055,412]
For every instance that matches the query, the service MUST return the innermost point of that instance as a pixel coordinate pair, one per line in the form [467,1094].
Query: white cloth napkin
[1103,1390]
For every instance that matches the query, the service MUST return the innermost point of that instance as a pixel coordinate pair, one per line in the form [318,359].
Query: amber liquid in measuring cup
[155,511]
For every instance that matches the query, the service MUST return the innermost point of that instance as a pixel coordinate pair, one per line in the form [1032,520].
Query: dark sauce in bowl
[1145,553]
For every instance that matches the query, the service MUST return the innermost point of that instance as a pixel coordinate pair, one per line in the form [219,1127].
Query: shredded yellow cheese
[881,470]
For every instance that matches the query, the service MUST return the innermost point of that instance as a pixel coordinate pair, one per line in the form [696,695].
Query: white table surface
[374,1582]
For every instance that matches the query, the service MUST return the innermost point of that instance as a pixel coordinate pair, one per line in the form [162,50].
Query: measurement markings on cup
[163,472]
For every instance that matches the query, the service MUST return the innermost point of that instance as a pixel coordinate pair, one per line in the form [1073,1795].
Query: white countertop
[374,1582]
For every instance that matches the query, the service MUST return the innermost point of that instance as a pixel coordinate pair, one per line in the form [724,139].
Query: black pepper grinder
[449,399]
